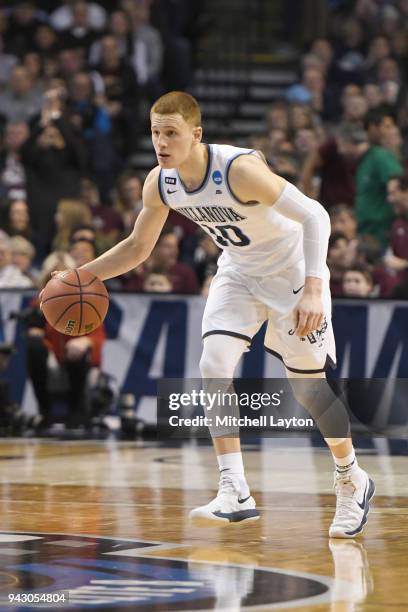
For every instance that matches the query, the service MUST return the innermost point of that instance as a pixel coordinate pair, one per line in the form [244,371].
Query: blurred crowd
[76,82]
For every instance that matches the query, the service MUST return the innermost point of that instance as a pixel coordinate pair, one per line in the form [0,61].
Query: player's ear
[197,134]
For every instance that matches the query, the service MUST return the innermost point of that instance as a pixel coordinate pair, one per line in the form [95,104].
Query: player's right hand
[54,273]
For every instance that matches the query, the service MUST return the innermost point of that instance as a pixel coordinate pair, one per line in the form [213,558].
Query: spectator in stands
[75,356]
[10,276]
[128,201]
[393,141]
[157,281]
[121,92]
[82,251]
[311,89]
[45,41]
[70,63]
[336,161]
[22,256]
[63,17]
[89,115]
[343,221]
[79,34]
[355,108]
[105,219]
[17,219]
[33,63]
[164,256]
[85,231]
[147,52]
[278,116]
[69,215]
[389,79]
[12,173]
[358,282]
[19,102]
[23,21]
[396,257]
[373,95]
[119,27]
[376,166]
[7,63]
[54,159]
[338,261]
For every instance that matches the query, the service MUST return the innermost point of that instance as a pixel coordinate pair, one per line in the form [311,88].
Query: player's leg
[353,487]
[231,318]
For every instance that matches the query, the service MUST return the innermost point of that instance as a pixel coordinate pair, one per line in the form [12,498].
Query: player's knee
[213,365]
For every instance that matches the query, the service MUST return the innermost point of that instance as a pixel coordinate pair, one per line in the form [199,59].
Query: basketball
[75,302]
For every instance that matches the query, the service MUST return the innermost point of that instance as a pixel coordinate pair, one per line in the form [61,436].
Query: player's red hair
[178,102]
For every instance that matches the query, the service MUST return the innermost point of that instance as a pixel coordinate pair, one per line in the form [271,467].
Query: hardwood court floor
[137,497]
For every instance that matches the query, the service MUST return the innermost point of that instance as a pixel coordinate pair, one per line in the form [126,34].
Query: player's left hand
[308,314]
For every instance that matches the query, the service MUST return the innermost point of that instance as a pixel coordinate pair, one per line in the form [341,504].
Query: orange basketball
[75,302]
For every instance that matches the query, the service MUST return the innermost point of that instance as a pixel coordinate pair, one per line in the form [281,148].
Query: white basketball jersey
[254,238]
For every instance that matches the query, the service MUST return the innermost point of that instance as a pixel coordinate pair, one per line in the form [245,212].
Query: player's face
[173,139]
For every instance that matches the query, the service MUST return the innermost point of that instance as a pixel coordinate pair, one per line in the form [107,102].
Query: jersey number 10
[227,235]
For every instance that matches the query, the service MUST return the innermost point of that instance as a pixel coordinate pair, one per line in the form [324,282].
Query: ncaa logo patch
[123,575]
[217,177]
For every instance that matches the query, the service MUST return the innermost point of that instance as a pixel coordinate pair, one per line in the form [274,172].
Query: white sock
[232,464]
[346,464]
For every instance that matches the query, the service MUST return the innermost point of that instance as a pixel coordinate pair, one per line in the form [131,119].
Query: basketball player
[273,268]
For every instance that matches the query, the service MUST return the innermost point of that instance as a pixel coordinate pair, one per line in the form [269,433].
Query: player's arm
[136,248]
[250,179]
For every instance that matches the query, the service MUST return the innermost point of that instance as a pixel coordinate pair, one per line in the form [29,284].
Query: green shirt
[374,213]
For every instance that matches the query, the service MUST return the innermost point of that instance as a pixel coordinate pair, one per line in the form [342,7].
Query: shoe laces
[227,485]
[345,490]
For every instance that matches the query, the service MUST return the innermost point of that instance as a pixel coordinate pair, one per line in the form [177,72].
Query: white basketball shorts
[238,305]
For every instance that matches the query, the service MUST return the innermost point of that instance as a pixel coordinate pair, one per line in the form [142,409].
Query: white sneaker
[354,492]
[227,507]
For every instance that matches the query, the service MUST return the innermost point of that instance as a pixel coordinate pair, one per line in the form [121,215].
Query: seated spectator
[79,34]
[45,41]
[63,16]
[69,214]
[373,95]
[336,161]
[57,260]
[22,256]
[157,281]
[128,201]
[358,282]
[20,102]
[17,219]
[23,21]
[338,261]
[75,356]
[10,275]
[82,251]
[120,27]
[343,221]
[165,256]
[105,219]
[7,63]
[12,173]
[277,116]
